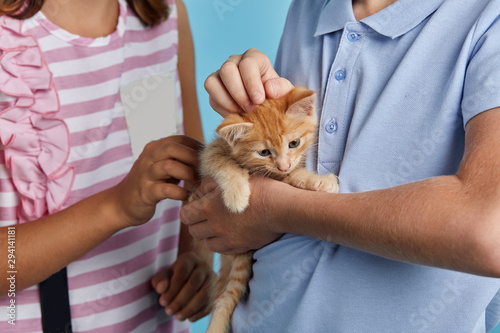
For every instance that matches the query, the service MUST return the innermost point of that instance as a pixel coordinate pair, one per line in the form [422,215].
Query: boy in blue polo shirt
[408,94]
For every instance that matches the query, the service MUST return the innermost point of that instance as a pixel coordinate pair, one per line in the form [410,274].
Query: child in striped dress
[85,87]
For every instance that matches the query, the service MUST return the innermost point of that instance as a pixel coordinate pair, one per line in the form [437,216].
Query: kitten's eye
[294,143]
[265,152]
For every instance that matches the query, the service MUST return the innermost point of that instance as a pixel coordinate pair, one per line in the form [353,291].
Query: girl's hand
[243,81]
[155,176]
[187,287]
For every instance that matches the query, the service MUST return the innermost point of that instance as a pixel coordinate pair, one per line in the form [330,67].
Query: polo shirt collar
[392,21]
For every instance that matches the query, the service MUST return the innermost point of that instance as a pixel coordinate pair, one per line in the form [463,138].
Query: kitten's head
[273,138]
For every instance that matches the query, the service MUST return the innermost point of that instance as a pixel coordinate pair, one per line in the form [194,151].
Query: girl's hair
[151,12]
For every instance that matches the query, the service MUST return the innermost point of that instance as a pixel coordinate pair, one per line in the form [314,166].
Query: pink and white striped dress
[64,137]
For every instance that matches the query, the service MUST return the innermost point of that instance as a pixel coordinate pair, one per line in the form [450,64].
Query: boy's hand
[243,81]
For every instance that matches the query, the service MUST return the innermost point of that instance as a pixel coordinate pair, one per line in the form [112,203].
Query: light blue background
[224,27]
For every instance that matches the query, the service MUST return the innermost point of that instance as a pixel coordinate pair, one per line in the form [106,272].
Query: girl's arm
[46,245]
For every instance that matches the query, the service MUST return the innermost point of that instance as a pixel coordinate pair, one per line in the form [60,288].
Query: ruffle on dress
[35,142]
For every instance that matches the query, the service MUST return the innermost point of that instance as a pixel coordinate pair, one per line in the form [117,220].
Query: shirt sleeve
[482,78]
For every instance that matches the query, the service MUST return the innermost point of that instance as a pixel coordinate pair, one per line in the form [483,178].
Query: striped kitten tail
[230,290]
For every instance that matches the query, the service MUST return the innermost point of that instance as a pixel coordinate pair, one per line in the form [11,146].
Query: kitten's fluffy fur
[271,140]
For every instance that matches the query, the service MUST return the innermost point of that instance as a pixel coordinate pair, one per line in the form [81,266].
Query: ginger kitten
[272,141]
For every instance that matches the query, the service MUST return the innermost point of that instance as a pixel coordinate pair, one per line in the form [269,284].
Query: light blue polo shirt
[395,92]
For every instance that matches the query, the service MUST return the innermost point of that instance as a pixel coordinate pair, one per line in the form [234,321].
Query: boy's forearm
[431,222]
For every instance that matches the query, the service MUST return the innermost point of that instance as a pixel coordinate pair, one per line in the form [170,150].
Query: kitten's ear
[232,132]
[303,101]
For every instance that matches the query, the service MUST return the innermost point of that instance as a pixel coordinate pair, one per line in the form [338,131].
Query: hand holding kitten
[229,233]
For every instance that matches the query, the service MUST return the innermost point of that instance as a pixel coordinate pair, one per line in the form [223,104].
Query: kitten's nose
[283,167]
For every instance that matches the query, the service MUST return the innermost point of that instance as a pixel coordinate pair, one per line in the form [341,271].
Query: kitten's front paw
[324,183]
[236,198]
[305,179]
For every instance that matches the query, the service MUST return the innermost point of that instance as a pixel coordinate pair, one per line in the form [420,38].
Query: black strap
[54,301]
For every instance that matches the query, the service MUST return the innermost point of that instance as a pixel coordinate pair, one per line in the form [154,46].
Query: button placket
[334,114]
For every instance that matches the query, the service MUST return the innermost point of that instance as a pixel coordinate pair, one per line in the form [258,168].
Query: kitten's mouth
[280,174]
[275,174]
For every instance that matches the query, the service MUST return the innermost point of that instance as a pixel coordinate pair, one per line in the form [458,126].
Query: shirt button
[340,75]
[331,126]
[353,36]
